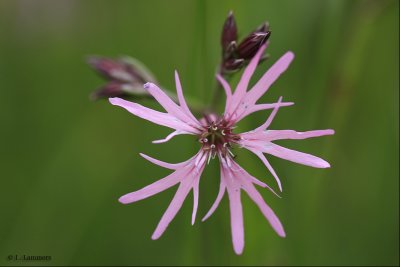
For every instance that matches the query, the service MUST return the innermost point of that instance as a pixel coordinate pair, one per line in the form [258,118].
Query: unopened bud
[125,76]
[250,45]
[229,31]
[233,65]
[111,89]
[109,68]
[263,27]
[234,55]
[230,50]
[138,69]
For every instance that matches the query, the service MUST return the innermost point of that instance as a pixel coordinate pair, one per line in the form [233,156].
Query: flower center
[218,137]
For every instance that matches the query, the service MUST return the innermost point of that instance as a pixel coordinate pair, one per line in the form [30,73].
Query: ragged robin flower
[218,139]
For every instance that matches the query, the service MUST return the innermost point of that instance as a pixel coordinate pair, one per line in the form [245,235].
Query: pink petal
[236,220]
[225,85]
[217,200]
[259,107]
[253,137]
[181,98]
[271,135]
[173,208]
[154,116]
[195,198]
[235,205]
[241,88]
[262,138]
[245,175]
[296,156]
[200,160]
[271,117]
[240,171]
[265,209]
[153,188]
[172,166]
[269,77]
[256,181]
[170,106]
[268,165]
[210,117]
[227,89]
[169,137]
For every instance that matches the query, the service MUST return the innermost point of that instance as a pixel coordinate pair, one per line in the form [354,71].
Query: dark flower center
[218,137]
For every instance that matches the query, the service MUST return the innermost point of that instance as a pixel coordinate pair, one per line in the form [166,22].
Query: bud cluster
[234,55]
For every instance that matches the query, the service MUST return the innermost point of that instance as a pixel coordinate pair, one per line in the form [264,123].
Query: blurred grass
[65,160]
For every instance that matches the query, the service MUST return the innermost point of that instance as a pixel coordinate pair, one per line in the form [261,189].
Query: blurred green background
[66,160]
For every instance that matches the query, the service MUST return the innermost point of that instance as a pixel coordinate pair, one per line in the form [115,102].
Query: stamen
[216,138]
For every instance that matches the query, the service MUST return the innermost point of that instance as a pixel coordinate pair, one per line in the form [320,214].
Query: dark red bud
[263,27]
[229,31]
[230,51]
[232,65]
[106,66]
[115,69]
[250,45]
[111,89]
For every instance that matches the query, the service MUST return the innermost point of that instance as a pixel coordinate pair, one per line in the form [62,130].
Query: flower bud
[235,56]
[111,89]
[125,76]
[110,69]
[233,65]
[263,27]
[230,51]
[229,32]
[250,45]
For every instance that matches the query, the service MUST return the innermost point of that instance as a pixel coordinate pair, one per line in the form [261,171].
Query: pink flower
[217,138]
